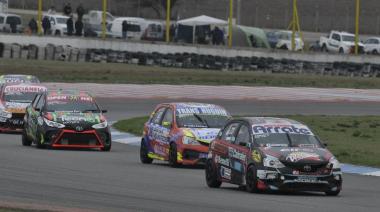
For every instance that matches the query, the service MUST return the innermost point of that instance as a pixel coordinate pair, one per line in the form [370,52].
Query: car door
[36,117]
[157,134]
[239,152]
[221,150]
[29,119]
[334,42]
[167,129]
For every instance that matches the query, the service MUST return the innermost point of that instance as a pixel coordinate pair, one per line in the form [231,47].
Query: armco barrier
[206,57]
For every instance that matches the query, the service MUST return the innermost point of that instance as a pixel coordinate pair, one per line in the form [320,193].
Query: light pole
[39,17]
[357,26]
[168,8]
[230,24]
[104,19]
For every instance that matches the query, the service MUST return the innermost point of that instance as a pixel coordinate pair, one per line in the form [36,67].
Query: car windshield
[201,120]
[72,105]
[348,38]
[21,80]
[286,140]
[14,19]
[61,20]
[23,97]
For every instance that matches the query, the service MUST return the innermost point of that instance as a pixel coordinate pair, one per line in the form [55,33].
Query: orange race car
[181,132]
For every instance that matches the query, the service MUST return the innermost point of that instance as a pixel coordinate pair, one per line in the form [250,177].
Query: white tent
[201,21]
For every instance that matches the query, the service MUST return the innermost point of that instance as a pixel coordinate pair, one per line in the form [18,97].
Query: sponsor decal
[225,172]
[201,110]
[233,153]
[222,161]
[70,98]
[297,156]
[24,89]
[292,129]
[297,150]
[256,156]
[158,133]
[16,105]
[236,165]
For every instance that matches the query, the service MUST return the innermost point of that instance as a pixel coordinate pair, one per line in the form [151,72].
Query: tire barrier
[188,60]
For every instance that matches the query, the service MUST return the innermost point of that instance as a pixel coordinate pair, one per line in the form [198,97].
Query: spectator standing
[67,10]
[78,28]
[70,26]
[33,26]
[124,29]
[80,11]
[220,37]
[46,25]
[13,26]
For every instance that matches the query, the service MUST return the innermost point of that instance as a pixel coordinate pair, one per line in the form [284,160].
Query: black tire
[251,179]
[57,33]
[106,148]
[25,140]
[341,51]
[212,175]
[39,145]
[173,155]
[332,193]
[144,154]
[374,52]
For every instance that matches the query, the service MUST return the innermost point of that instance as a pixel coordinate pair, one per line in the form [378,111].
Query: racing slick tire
[212,175]
[251,179]
[173,155]
[332,193]
[144,158]
[25,139]
[106,148]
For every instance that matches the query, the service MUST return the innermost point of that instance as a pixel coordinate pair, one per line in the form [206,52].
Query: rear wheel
[144,158]
[375,52]
[251,180]
[341,50]
[173,155]
[25,139]
[212,175]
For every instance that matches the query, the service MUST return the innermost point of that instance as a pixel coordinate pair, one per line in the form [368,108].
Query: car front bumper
[192,154]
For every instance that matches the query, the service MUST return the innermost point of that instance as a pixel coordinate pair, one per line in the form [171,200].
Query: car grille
[79,139]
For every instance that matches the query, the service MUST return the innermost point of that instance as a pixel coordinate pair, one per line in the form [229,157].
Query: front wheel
[144,158]
[374,52]
[341,51]
[251,180]
[25,139]
[212,175]
[173,155]
[40,142]
[106,147]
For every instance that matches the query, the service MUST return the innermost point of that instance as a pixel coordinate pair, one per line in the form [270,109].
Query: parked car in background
[283,40]
[6,19]
[341,42]
[93,23]
[372,45]
[136,27]
[154,31]
[58,24]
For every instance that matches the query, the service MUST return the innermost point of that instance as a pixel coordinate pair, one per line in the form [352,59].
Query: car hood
[295,155]
[205,135]
[349,43]
[75,118]
[16,107]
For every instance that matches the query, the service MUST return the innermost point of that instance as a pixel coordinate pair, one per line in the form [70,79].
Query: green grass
[56,71]
[352,139]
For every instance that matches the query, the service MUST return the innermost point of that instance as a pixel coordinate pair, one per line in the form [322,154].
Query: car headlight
[100,125]
[5,114]
[272,162]
[53,124]
[335,163]
[189,141]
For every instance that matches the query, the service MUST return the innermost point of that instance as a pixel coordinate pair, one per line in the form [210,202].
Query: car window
[168,116]
[1,20]
[40,103]
[375,41]
[336,37]
[35,101]
[229,133]
[243,135]
[158,116]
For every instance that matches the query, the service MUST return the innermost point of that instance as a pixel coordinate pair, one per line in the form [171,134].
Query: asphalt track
[69,180]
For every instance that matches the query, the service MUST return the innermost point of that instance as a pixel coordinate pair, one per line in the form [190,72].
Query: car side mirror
[37,109]
[104,111]
[167,124]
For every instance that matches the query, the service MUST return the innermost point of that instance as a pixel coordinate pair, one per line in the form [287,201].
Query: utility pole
[39,17]
[104,19]
[357,26]
[230,23]
[238,12]
[168,8]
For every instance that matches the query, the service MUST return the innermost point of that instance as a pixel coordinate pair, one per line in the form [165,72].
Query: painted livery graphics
[14,100]
[66,119]
[18,79]
[181,132]
[291,159]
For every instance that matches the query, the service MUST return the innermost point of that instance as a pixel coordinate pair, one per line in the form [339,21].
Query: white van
[58,24]
[136,27]
[6,19]
[93,22]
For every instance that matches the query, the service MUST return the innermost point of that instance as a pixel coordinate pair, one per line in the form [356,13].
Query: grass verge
[56,71]
[352,139]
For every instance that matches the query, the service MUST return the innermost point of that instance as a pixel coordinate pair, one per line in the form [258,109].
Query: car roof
[56,16]
[191,104]
[269,121]
[34,85]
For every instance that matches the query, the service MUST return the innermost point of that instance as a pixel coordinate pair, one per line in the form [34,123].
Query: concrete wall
[315,15]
